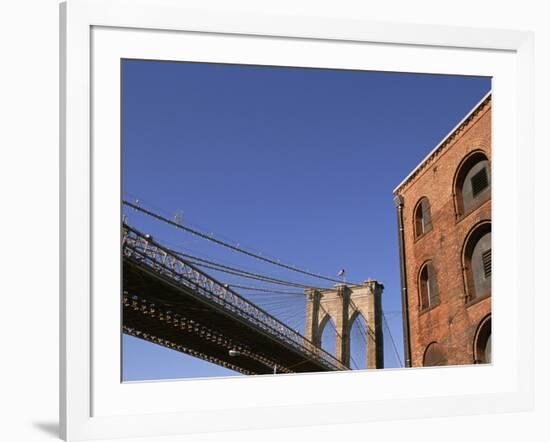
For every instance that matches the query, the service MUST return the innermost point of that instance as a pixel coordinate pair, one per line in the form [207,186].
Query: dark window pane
[419,221]
[434,293]
[434,355]
[429,293]
[423,217]
[480,182]
[486,258]
[476,184]
[426,215]
[481,266]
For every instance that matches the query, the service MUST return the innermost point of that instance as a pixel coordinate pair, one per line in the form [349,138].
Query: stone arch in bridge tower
[343,304]
[358,335]
[326,327]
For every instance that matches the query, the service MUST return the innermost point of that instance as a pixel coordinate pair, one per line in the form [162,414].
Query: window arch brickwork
[472,182]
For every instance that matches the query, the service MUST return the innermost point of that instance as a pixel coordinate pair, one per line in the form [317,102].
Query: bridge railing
[144,249]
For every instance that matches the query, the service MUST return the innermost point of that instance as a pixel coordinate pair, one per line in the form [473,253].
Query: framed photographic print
[306,220]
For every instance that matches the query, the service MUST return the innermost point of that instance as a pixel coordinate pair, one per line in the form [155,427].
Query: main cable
[226,244]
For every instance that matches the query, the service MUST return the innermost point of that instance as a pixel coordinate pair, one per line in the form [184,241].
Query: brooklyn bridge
[171,298]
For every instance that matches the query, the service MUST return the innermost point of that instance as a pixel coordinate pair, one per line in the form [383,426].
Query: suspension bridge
[171,298]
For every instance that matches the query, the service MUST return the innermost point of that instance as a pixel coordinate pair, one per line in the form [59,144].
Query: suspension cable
[239,272]
[392,340]
[265,290]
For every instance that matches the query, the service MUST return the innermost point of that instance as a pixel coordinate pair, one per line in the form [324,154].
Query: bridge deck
[171,303]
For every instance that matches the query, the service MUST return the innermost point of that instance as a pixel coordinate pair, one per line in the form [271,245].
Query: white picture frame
[97,33]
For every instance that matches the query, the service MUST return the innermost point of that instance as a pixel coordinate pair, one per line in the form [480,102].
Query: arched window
[478,262]
[482,342]
[422,217]
[473,182]
[434,355]
[427,285]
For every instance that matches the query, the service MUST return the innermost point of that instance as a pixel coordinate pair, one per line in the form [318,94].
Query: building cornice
[448,139]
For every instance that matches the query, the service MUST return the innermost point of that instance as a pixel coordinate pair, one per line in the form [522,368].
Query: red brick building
[444,216]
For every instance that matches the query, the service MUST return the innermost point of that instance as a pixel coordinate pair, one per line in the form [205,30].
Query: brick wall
[453,322]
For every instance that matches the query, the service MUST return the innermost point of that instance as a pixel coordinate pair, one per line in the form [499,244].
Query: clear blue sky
[296,164]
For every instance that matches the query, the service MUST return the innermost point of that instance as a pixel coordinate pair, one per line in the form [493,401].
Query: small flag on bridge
[341,274]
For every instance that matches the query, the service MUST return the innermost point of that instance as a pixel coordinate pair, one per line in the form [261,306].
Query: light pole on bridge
[235,353]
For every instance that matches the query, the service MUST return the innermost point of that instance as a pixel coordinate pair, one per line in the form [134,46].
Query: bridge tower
[342,305]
